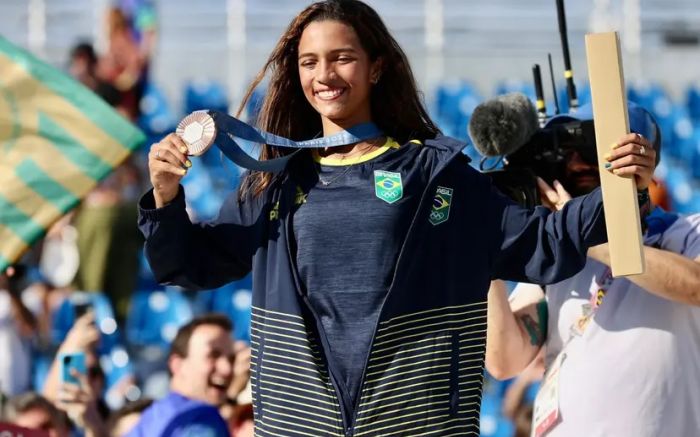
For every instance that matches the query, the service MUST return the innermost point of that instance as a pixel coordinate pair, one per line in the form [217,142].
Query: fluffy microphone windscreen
[502,125]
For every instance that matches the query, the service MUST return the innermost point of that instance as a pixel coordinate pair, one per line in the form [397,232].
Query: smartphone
[81,303]
[68,361]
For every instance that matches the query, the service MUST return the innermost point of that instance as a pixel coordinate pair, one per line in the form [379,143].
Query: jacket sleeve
[200,256]
[541,246]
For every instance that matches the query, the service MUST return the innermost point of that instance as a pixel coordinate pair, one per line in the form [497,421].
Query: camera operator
[622,354]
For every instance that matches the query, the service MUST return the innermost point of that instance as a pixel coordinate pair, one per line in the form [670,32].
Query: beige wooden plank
[611,123]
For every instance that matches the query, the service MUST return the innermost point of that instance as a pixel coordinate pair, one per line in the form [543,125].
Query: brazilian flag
[57,141]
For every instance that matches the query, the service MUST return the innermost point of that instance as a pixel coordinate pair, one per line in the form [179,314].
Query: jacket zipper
[409,235]
[322,336]
[349,422]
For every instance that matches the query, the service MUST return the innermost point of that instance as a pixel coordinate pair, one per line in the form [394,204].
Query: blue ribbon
[228,128]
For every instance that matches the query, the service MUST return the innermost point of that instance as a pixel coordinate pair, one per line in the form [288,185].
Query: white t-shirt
[635,370]
[15,364]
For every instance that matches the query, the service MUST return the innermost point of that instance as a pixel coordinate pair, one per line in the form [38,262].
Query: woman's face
[336,74]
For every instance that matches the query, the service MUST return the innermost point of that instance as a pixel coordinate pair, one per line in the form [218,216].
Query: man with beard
[201,364]
[622,354]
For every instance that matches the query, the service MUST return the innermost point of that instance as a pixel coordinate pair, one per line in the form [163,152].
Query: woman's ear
[376,71]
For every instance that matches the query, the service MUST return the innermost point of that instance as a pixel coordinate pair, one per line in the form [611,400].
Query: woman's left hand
[633,155]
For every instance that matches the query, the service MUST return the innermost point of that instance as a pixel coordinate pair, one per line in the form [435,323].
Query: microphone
[502,125]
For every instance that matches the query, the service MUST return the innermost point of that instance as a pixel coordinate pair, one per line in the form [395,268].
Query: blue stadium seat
[680,187]
[65,315]
[155,315]
[646,93]
[205,94]
[693,102]
[493,424]
[695,156]
[157,118]
[454,103]
[234,300]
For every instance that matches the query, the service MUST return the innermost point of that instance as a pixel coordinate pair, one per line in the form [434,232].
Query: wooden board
[611,123]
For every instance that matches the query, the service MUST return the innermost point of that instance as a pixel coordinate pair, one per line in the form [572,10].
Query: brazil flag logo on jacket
[388,186]
[440,211]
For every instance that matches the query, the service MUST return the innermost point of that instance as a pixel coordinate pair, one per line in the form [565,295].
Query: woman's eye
[308,64]
[344,60]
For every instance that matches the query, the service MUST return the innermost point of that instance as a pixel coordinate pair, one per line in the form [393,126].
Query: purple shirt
[178,416]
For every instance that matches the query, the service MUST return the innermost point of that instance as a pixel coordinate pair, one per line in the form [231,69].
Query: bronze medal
[198,131]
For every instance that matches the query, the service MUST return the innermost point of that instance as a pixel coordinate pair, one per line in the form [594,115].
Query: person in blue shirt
[371,262]
[201,366]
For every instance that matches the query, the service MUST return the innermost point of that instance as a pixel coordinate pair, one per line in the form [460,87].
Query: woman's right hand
[167,164]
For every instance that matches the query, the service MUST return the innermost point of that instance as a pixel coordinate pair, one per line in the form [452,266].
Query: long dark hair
[396,104]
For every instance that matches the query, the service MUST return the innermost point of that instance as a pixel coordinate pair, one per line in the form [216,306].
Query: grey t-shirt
[635,370]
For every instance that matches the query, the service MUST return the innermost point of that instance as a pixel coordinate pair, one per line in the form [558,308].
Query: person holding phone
[371,261]
[71,383]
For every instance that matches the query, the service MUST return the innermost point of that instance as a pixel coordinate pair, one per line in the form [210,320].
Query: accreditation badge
[546,409]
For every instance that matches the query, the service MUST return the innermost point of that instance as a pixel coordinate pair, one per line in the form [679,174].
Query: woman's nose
[326,71]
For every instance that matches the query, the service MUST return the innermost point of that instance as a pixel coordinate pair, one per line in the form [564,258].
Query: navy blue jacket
[424,372]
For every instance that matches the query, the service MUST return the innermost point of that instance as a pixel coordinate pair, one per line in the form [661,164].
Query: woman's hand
[633,155]
[167,164]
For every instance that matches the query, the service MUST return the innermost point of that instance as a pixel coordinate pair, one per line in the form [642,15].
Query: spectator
[17,326]
[201,364]
[82,402]
[83,67]
[238,410]
[122,421]
[33,411]
[105,218]
[124,65]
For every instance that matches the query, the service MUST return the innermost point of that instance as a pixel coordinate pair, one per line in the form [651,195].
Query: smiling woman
[371,262]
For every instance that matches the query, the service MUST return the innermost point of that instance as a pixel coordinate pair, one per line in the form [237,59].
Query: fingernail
[183,172]
[614,146]
[183,149]
[188,163]
[607,165]
[608,156]
[616,171]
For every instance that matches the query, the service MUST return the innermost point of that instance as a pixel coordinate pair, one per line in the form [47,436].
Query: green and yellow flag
[57,141]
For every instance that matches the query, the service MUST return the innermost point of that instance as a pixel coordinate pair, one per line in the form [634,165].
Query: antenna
[568,72]
[539,94]
[557,110]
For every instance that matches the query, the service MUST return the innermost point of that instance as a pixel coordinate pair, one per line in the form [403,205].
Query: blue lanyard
[228,128]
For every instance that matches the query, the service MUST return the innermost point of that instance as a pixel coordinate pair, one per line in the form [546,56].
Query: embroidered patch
[388,186]
[442,201]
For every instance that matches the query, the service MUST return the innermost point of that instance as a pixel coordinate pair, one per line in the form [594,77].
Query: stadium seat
[155,316]
[156,116]
[693,102]
[205,94]
[65,315]
[234,300]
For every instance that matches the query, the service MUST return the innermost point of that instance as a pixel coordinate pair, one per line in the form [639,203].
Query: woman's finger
[628,160]
[631,170]
[631,149]
[160,167]
[170,147]
[632,138]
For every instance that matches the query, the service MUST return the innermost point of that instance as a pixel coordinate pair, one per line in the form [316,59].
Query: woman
[371,262]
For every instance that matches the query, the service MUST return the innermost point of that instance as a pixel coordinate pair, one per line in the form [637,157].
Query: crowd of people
[379,295]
